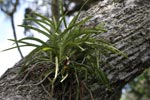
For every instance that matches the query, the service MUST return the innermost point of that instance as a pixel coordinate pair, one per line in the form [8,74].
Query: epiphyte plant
[70,56]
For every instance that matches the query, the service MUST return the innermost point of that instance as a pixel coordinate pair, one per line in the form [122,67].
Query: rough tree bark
[128,25]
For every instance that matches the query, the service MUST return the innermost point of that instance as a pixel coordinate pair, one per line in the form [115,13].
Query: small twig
[46,91]
[92,98]
[26,75]
[83,60]
[77,79]
[11,14]
[36,84]
[15,35]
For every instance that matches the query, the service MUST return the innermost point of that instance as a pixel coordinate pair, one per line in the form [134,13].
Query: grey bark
[128,25]
[55,9]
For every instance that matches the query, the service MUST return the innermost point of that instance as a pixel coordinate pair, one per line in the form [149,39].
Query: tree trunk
[128,25]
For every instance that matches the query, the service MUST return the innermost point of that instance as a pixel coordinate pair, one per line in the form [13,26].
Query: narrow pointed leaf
[36,29]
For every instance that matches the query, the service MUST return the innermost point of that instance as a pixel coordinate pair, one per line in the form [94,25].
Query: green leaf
[33,39]
[46,49]
[42,21]
[36,29]
[44,18]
